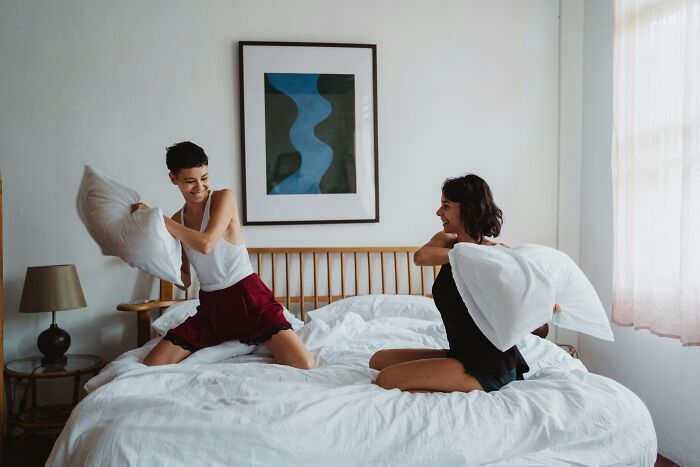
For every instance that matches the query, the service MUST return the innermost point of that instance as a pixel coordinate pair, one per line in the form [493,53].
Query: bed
[228,405]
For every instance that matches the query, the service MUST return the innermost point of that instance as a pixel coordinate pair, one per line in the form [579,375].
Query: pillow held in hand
[510,292]
[140,239]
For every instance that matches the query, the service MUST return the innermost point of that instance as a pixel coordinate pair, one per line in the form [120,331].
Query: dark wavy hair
[479,213]
[185,155]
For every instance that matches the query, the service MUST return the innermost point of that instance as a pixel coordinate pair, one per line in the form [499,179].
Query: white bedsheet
[247,411]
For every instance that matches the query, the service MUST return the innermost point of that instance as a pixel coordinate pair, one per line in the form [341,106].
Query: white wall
[569,164]
[665,375]
[463,86]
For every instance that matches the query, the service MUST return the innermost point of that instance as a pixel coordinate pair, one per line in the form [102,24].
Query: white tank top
[224,265]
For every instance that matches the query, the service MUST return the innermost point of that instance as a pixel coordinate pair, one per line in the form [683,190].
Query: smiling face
[449,214]
[193,183]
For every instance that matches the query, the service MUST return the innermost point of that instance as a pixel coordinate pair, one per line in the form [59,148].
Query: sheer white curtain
[656,167]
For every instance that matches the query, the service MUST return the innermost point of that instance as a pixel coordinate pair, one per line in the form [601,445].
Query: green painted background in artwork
[282,159]
[338,131]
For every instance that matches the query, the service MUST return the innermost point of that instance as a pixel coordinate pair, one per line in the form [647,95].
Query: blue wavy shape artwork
[309,126]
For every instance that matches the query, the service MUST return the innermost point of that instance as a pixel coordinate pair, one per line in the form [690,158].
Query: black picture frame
[286,89]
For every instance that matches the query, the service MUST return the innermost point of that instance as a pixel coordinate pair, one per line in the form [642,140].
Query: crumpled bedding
[225,406]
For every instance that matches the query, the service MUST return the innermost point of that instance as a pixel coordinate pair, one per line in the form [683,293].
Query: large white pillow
[140,239]
[510,292]
[379,306]
[178,313]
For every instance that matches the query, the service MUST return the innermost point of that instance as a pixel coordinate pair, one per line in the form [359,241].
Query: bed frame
[291,272]
[303,278]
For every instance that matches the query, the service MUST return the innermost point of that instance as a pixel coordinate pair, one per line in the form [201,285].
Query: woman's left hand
[557,308]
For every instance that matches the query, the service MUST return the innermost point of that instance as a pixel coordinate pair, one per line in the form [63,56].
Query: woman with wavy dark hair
[468,214]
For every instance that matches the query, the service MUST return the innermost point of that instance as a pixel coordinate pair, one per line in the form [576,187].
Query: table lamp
[52,288]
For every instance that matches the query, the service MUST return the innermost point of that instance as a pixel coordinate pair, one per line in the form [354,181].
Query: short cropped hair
[478,212]
[185,155]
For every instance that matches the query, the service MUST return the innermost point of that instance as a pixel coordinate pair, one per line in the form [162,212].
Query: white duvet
[214,410]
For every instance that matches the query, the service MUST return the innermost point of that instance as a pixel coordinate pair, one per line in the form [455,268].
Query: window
[656,167]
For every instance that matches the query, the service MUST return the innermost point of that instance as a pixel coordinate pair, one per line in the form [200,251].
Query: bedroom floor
[35,449]
[30,452]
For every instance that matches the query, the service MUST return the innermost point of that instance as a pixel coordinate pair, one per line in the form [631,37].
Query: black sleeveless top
[467,343]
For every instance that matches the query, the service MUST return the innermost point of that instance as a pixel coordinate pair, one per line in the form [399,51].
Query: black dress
[467,343]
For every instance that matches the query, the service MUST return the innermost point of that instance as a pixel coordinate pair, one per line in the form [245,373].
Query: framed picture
[308,133]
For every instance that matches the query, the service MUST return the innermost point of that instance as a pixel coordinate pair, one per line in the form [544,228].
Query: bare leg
[388,357]
[165,353]
[288,349]
[435,374]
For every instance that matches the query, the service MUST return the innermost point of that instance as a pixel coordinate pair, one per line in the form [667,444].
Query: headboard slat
[396,274]
[315,282]
[381,256]
[408,272]
[369,272]
[286,290]
[301,284]
[328,275]
[342,274]
[274,274]
[357,278]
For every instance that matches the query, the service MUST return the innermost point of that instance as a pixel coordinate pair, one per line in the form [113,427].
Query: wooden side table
[42,418]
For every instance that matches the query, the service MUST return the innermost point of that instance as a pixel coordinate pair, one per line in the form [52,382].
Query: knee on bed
[308,363]
[376,362]
[165,356]
[156,361]
[305,362]
[385,381]
[152,362]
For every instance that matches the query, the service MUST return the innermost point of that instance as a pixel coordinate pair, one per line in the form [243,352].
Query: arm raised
[435,252]
[223,211]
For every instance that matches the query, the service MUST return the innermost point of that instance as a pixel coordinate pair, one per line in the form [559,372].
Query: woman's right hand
[137,207]
[557,308]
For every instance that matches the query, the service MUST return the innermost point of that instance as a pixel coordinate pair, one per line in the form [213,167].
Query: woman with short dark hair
[234,301]
[468,214]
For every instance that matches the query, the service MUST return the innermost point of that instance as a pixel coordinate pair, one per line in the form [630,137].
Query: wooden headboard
[303,279]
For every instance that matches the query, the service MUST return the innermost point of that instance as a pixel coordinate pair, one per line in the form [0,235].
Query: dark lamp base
[53,343]
[54,361]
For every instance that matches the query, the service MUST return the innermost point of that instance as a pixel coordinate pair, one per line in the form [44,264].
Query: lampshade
[51,288]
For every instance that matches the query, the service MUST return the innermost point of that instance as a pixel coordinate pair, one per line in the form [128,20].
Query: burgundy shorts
[246,311]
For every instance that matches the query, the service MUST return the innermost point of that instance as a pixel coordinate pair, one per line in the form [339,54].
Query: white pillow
[379,306]
[140,239]
[510,292]
[178,313]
